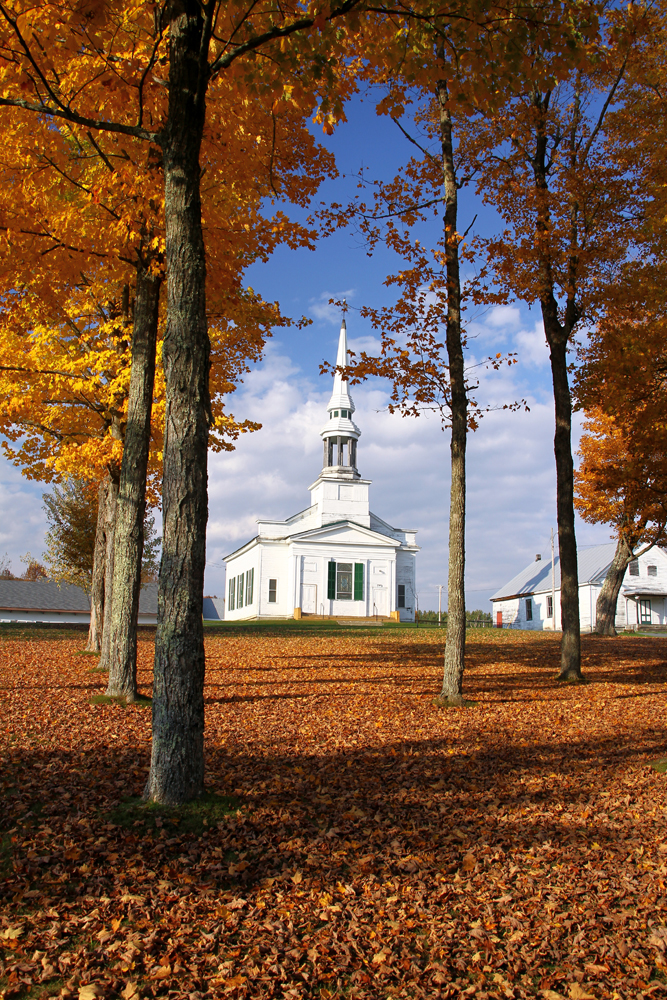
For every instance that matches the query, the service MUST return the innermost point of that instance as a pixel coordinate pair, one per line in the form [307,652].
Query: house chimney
[538,557]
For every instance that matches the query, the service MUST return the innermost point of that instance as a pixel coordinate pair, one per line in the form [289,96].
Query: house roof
[593,563]
[44,595]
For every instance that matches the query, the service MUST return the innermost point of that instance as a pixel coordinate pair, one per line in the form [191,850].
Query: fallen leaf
[577,992]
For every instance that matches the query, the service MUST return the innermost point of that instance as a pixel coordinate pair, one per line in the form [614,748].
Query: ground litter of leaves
[376,846]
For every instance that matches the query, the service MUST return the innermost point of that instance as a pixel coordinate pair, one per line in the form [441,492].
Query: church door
[309,598]
[380,595]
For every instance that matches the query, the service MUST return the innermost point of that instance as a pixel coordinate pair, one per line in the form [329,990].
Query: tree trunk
[452,682]
[177,758]
[605,606]
[570,650]
[109,531]
[131,505]
[558,335]
[97,583]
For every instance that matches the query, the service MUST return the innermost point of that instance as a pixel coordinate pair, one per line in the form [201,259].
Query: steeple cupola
[340,434]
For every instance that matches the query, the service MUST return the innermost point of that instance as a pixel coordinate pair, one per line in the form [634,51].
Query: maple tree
[621,484]
[432,298]
[236,232]
[103,74]
[542,160]
[358,840]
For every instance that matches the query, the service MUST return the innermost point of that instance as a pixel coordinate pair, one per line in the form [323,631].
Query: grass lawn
[355,841]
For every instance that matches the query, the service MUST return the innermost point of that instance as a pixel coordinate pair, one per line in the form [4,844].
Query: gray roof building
[43,600]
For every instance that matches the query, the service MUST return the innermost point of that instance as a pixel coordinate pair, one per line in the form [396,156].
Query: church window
[239,590]
[529,610]
[343,413]
[652,570]
[335,413]
[634,567]
[401,595]
[550,606]
[249,585]
[345,581]
[231,604]
[273,588]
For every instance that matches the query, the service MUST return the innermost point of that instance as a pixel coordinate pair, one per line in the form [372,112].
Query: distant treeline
[471,616]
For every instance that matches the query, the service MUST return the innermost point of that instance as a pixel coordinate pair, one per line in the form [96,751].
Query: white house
[335,558]
[526,601]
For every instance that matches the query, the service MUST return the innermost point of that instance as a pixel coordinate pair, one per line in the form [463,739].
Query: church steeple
[340,434]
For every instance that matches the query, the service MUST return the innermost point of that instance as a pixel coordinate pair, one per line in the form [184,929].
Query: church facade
[335,558]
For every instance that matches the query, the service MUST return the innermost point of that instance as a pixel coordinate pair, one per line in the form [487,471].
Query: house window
[231,604]
[273,589]
[645,612]
[634,567]
[550,606]
[249,585]
[345,581]
[529,610]
[239,590]
[401,595]
[652,570]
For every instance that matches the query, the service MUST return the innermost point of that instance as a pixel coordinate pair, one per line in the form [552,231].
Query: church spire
[340,434]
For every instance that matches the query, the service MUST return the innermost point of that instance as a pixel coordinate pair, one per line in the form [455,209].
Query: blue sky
[511,479]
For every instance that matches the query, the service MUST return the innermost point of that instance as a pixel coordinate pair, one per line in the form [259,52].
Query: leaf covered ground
[363,843]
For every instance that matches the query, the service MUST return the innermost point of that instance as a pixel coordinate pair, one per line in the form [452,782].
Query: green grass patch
[660,765]
[141,701]
[86,652]
[192,817]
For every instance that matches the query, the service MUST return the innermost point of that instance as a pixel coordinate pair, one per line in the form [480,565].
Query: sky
[511,475]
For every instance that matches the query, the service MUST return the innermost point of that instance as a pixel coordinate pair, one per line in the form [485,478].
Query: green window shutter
[358,581]
[331,583]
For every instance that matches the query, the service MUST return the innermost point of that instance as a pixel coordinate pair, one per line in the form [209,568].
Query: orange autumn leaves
[375,844]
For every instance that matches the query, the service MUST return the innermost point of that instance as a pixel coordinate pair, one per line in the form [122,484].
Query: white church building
[335,558]
[531,599]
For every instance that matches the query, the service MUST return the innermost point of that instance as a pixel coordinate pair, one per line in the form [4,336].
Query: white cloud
[371,345]
[325,310]
[503,318]
[22,522]
[531,346]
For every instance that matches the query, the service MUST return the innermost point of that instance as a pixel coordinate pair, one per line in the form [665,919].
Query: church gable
[345,532]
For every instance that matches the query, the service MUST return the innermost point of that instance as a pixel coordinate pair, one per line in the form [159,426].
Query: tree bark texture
[109,530]
[452,682]
[570,650]
[558,334]
[605,606]
[131,503]
[97,584]
[177,758]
